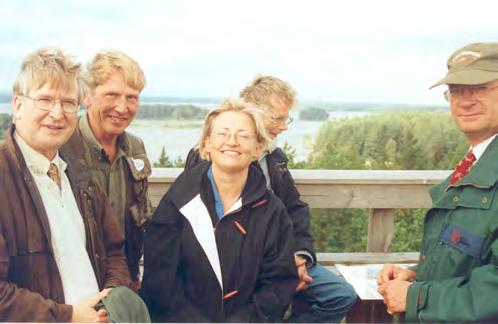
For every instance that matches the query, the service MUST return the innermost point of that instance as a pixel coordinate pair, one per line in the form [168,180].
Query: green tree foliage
[291,155]
[5,121]
[175,112]
[394,141]
[314,113]
[389,141]
[165,162]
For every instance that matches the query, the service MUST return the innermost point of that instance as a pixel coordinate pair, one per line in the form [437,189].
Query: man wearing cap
[456,278]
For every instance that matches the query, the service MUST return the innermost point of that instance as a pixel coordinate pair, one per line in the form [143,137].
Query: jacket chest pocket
[458,227]
[140,170]
[469,214]
[462,239]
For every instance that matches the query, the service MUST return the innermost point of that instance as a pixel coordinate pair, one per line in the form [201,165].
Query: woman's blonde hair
[52,66]
[235,105]
[107,62]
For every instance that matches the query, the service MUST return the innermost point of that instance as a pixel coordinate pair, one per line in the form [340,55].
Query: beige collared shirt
[67,229]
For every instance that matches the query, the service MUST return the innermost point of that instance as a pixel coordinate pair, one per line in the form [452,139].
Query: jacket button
[456,199]
[484,200]
[97,256]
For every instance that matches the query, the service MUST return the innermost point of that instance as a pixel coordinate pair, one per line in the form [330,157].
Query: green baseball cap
[475,63]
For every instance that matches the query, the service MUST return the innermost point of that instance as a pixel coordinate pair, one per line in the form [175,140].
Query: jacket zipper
[222,300]
[92,239]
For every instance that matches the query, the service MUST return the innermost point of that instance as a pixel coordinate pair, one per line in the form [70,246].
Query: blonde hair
[107,62]
[235,105]
[263,89]
[49,65]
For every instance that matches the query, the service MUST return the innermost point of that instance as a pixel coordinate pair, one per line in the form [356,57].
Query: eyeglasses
[238,136]
[48,103]
[458,91]
[276,120]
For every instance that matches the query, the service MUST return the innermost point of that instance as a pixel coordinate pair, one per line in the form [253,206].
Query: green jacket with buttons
[457,273]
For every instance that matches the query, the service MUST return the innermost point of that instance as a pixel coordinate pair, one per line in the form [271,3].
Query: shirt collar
[88,135]
[36,161]
[479,149]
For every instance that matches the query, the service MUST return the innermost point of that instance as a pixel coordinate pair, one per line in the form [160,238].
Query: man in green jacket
[456,278]
[115,158]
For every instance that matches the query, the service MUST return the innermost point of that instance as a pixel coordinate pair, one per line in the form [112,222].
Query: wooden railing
[381,191]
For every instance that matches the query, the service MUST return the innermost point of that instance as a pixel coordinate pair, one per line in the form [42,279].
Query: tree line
[175,112]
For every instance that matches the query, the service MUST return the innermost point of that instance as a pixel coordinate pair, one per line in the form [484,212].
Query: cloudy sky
[350,51]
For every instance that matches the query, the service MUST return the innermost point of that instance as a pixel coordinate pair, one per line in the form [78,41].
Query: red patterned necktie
[463,167]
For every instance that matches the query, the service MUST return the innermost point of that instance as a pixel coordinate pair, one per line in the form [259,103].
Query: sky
[379,51]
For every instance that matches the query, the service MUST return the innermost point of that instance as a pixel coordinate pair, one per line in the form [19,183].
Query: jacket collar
[76,171]
[17,158]
[485,172]
[190,183]
[35,161]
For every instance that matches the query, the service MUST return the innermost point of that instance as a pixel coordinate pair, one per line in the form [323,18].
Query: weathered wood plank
[380,230]
[329,259]
[342,188]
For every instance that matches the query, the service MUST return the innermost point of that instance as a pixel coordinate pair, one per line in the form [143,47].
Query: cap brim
[469,77]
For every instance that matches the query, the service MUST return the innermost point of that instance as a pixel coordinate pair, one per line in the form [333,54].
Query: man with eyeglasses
[60,246]
[321,296]
[116,159]
[456,278]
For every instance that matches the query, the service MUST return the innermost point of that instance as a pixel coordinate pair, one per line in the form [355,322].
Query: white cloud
[382,50]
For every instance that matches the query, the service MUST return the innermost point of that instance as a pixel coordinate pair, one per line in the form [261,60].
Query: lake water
[178,140]
[178,137]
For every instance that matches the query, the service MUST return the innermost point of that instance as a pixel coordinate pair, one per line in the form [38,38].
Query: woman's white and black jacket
[282,184]
[242,271]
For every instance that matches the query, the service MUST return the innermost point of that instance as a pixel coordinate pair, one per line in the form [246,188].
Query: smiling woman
[233,136]
[236,272]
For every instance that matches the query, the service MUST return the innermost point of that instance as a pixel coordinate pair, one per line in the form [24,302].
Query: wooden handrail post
[380,229]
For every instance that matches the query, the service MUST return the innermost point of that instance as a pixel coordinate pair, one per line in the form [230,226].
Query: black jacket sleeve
[283,186]
[161,257]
